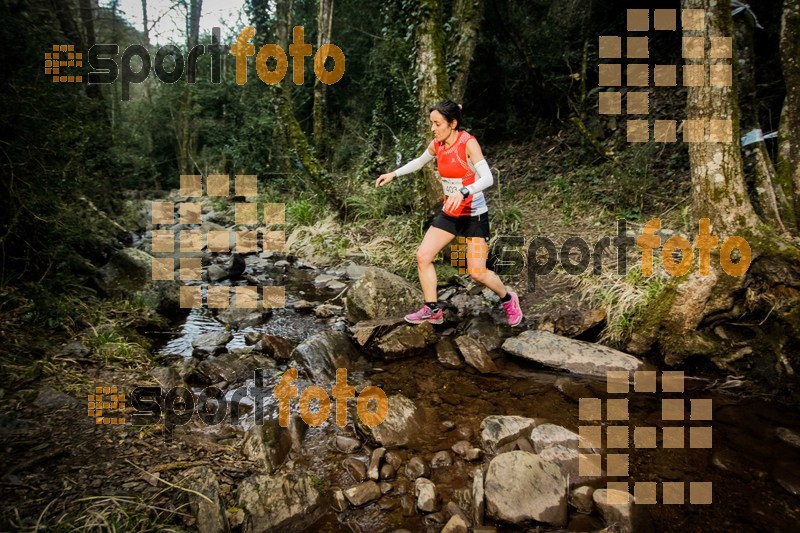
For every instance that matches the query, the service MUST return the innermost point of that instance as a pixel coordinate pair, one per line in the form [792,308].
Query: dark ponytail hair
[450,111]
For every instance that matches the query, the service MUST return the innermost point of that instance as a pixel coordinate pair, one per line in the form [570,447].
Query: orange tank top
[457,172]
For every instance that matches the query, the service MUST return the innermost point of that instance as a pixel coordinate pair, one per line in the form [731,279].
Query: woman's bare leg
[477,254]
[435,239]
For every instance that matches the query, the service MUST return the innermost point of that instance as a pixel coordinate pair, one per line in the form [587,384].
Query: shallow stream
[753,462]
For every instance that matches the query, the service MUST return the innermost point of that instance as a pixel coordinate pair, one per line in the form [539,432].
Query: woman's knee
[481,275]
[423,257]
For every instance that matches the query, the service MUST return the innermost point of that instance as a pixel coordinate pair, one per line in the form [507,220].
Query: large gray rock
[403,422]
[447,354]
[210,515]
[355,271]
[581,499]
[616,507]
[212,338]
[366,330]
[232,269]
[230,367]
[50,399]
[276,347]
[498,433]
[270,443]
[427,497]
[285,501]
[128,275]
[380,294]
[240,317]
[569,354]
[521,486]
[363,493]
[126,271]
[547,435]
[475,354]
[406,341]
[323,353]
[485,331]
[567,460]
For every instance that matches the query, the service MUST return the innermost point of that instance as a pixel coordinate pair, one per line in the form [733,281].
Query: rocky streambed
[483,430]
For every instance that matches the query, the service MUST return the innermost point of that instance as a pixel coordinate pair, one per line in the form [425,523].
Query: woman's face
[440,127]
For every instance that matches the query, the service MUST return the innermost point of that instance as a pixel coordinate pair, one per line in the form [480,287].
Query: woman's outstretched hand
[383,179]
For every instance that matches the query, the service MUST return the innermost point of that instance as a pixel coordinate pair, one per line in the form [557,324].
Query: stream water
[753,462]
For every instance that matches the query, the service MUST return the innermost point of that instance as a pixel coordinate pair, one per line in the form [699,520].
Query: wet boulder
[485,331]
[521,486]
[363,493]
[357,469]
[406,341]
[547,435]
[498,433]
[403,422]
[208,509]
[269,443]
[128,274]
[569,354]
[276,347]
[616,507]
[380,294]
[416,467]
[346,444]
[367,330]
[228,367]
[231,269]
[475,354]
[567,460]
[211,343]
[447,354]
[322,354]
[240,317]
[285,501]
[427,496]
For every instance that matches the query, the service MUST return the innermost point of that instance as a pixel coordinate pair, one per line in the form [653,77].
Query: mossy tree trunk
[467,16]
[433,86]
[759,170]
[295,136]
[186,132]
[749,323]
[789,129]
[324,34]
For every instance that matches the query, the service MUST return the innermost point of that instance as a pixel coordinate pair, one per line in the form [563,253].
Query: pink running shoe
[426,314]
[513,310]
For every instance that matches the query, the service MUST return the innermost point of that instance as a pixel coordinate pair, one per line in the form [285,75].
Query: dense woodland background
[73,155]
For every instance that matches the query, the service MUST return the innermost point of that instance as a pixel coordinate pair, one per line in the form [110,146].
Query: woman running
[465,174]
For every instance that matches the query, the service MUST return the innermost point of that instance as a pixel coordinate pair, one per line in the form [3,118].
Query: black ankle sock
[433,305]
[506,298]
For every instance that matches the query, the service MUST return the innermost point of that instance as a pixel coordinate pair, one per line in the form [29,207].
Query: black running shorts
[477,226]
